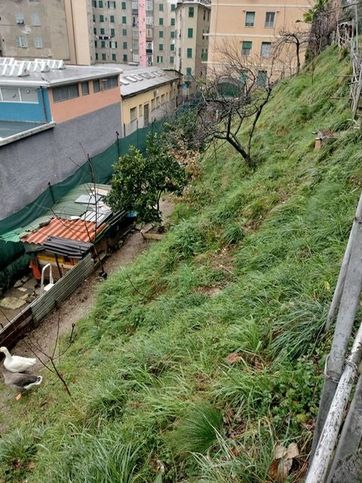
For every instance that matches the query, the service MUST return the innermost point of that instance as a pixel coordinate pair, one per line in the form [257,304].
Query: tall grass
[248,269]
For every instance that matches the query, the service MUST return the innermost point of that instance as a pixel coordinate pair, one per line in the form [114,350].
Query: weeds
[213,354]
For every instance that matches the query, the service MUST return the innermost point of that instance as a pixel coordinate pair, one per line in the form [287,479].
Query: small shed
[80,223]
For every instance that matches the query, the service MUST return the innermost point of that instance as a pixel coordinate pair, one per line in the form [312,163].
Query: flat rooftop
[48,72]
[11,131]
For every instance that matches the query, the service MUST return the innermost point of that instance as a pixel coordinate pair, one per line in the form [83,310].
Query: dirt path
[79,304]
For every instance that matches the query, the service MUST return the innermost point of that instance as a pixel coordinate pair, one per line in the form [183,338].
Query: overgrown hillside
[204,354]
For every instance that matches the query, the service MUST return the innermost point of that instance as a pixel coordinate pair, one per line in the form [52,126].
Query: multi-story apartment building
[253,29]
[118,28]
[193,23]
[57,29]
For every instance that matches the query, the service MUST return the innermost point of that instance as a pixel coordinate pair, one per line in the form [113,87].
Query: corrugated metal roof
[68,229]
[138,79]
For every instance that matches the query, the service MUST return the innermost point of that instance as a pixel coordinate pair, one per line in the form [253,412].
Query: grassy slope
[249,266]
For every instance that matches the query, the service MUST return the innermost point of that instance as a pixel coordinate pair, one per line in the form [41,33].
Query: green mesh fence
[101,165]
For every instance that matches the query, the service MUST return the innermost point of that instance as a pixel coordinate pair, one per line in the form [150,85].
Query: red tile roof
[79,230]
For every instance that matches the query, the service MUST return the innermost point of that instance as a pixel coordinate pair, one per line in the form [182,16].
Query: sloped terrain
[207,351]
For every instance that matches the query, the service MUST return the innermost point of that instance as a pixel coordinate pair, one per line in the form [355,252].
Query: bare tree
[323,17]
[233,95]
[296,40]
[49,358]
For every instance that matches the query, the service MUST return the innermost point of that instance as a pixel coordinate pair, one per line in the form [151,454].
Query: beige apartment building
[58,29]
[253,28]
[193,24]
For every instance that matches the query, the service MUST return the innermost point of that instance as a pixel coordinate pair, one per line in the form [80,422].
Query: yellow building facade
[253,28]
[147,95]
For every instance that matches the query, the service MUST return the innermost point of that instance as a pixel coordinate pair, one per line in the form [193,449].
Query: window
[191,11]
[125,58]
[112,4]
[63,93]
[190,33]
[109,83]
[124,45]
[133,114]
[35,19]
[94,18]
[172,47]
[160,7]
[28,94]
[21,41]
[172,34]
[101,18]
[265,49]
[160,34]
[124,32]
[85,88]
[111,18]
[123,5]
[113,44]
[158,101]
[269,19]
[249,19]
[102,31]
[246,47]
[38,42]
[20,18]
[100,4]
[95,44]
[152,104]
[159,59]
[124,19]
[160,46]
[94,31]
[15,94]
[113,33]
[173,7]
[114,57]
[94,3]
[173,22]
[96,85]
[103,44]
[10,94]
[189,53]
[96,56]
[172,60]
[261,78]
[161,21]
[189,71]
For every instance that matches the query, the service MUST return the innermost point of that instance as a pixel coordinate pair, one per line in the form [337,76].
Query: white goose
[16,363]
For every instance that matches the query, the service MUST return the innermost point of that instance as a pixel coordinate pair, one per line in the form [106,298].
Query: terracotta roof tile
[79,230]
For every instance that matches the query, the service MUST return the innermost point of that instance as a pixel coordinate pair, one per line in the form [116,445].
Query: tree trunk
[247,158]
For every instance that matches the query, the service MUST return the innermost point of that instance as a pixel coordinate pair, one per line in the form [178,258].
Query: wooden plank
[350,439]
[344,324]
[342,274]
[324,452]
